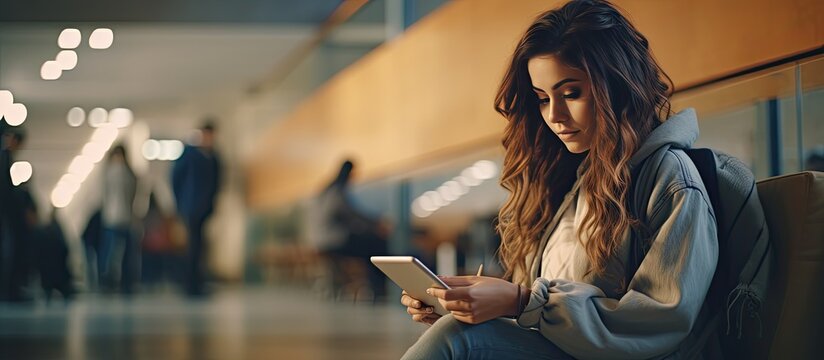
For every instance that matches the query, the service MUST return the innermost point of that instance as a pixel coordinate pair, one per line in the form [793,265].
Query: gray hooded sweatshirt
[661,312]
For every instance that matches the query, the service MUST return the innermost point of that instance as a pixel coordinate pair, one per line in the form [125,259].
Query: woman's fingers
[430,319]
[457,305]
[449,294]
[421,311]
[409,301]
[426,318]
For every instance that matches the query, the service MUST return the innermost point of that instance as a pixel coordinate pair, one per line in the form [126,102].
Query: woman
[589,133]
[119,188]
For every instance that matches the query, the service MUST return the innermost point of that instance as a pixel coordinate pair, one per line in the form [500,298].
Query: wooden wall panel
[430,91]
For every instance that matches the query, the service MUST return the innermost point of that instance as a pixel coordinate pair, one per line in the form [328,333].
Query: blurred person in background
[815,159]
[346,235]
[5,207]
[195,182]
[52,256]
[92,238]
[159,248]
[19,218]
[119,188]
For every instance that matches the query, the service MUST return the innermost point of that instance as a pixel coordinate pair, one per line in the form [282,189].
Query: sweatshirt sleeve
[662,301]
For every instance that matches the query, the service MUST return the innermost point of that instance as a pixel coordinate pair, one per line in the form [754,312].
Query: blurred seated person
[345,235]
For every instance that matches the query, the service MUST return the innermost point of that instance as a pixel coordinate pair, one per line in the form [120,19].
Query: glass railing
[773,120]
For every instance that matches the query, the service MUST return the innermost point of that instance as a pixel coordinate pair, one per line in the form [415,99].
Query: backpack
[739,285]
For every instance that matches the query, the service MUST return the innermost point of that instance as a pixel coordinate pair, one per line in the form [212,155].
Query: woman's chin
[576,148]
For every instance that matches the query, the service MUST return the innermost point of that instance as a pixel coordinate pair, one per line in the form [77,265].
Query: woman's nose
[555,113]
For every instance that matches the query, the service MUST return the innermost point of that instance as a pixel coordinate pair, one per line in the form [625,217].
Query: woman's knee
[444,340]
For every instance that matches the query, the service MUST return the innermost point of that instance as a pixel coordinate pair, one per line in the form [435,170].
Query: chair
[794,316]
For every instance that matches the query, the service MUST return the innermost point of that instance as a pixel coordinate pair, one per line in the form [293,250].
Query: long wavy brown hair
[631,98]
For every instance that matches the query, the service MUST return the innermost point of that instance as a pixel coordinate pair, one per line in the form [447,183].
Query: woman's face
[565,101]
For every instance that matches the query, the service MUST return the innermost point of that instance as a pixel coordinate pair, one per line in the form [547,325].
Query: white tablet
[413,276]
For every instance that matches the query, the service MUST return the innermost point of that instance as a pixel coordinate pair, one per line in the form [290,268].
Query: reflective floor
[248,323]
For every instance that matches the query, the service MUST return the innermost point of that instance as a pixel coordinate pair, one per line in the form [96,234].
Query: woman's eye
[574,94]
[543,101]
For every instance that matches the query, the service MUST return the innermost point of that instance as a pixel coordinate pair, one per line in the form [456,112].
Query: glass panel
[812,113]
[752,118]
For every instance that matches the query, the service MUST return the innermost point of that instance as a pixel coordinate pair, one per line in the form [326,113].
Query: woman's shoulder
[668,174]
[677,170]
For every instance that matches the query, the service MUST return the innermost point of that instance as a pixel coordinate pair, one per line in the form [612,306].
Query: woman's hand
[475,299]
[420,312]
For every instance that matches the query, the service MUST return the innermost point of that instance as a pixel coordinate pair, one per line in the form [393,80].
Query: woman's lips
[566,135]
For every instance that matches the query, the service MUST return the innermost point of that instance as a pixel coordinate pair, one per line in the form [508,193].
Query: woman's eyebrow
[557,85]
[564,81]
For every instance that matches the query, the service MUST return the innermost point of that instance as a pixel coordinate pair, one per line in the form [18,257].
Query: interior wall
[429,93]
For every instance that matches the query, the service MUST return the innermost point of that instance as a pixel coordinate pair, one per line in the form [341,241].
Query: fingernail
[417,304]
[429,310]
[429,291]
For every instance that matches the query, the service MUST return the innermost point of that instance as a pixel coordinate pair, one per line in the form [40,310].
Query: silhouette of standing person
[119,188]
[18,219]
[195,181]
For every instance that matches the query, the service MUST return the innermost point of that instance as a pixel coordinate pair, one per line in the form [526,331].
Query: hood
[679,131]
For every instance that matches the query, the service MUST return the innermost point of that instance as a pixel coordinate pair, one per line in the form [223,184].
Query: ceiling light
[15,114]
[6,99]
[447,193]
[20,172]
[69,38]
[469,178]
[75,116]
[101,38]
[456,187]
[170,150]
[67,59]
[105,134]
[98,116]
[94,151]
[436,198]
[50,70]
[485,169]
[70,183]
[175,149]
[426,204]
[61,198]
[121,117]
[419,211]
[151,149]
[81,166]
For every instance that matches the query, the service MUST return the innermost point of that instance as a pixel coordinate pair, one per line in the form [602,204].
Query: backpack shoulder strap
[704,160]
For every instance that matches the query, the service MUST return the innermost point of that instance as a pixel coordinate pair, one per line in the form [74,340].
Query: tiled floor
[249,323]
